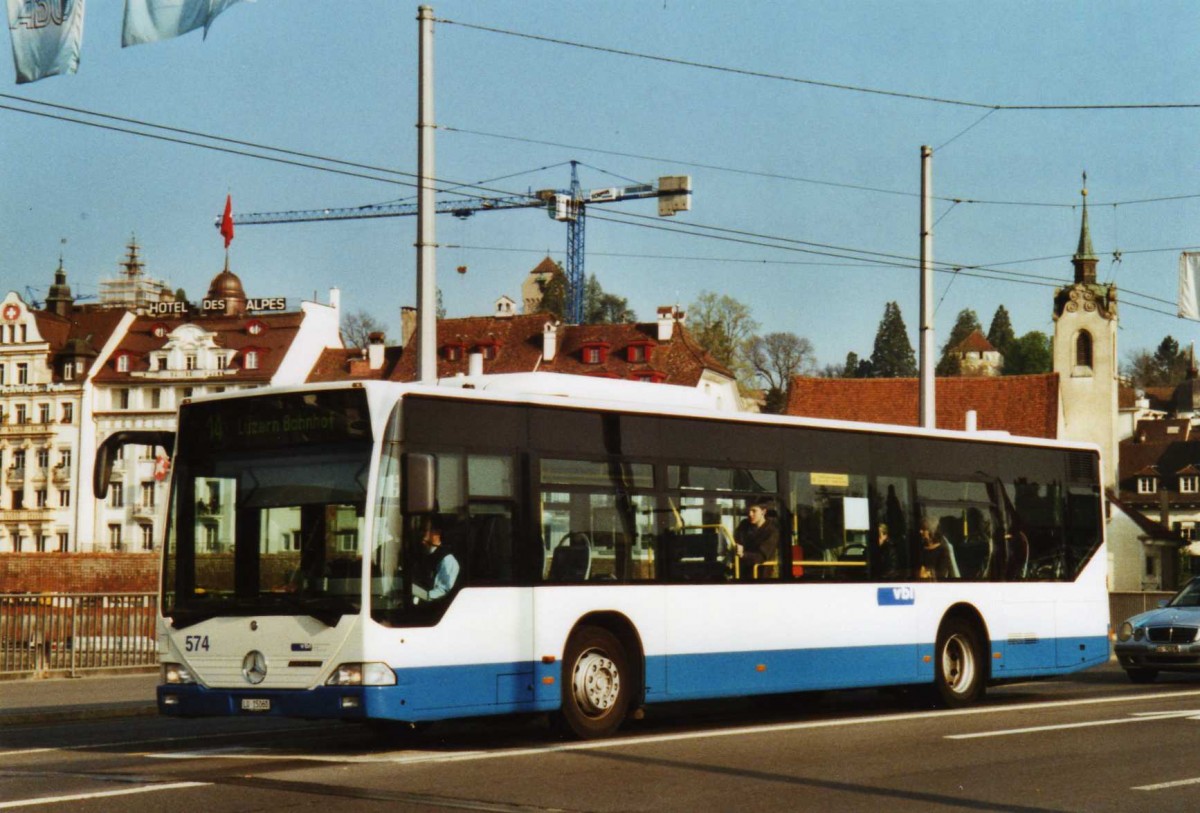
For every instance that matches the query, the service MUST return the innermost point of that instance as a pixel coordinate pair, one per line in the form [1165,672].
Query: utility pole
[426,245]
[928,403]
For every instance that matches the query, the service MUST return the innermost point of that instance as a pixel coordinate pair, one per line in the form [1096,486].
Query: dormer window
[250,360]
[595,352]
[1147,484]
[488,349]
[653,376]
[1189,484]
[123,363]
[454,351]
[639,352]
[256,327]
[159,330]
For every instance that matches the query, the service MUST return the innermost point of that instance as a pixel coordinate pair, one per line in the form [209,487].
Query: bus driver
[438,571]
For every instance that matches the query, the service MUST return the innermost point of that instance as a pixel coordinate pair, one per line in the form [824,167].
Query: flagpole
[426,247]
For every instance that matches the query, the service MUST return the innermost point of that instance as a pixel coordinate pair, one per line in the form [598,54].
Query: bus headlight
[175,674]
[362,674]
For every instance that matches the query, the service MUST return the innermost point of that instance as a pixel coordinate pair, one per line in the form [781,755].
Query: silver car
[1162,640]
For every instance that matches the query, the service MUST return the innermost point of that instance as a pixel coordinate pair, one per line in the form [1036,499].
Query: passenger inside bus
[937,558]
[438,569]
[756,538]
[888,552]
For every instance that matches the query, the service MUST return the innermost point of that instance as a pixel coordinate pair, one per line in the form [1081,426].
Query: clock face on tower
[11,312]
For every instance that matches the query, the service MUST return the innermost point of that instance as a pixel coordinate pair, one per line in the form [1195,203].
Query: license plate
[256,704]
[1168,648]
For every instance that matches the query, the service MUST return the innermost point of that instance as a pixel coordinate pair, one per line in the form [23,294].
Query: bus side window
[891,551]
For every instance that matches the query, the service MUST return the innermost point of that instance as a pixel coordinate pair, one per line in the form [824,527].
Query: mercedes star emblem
[254,667]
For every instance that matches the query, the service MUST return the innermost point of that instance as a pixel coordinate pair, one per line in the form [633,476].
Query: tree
[966,324]
[850,368]
[358,326]
[1029,354]
[722,325]
[600,308]
[1000,334]
[554,293]
[1166,366]
[893,356]
[776,359]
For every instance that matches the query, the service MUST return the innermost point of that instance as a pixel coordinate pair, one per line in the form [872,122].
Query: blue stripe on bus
[440,692]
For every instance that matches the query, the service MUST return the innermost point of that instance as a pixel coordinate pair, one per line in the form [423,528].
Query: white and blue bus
[588,564]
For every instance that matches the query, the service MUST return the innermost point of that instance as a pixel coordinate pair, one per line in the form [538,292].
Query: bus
[489,545]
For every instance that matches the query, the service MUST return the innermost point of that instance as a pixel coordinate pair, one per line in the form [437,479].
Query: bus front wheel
[959,667]
[596,684]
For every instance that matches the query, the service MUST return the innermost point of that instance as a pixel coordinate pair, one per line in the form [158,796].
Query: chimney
[375,350]
[668,315]
[408,324]
[475,364]
[549,341]
[335,298]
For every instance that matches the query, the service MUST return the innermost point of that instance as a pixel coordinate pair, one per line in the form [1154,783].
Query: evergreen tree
[893,356]
[601,308]
[1166,366]
[1000,335]
[850,368]
[966,323]
[1029,354]
[554,293]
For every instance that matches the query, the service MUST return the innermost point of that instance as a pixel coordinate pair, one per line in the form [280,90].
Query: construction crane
[674,193]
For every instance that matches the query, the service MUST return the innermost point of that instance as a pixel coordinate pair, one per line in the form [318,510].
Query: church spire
[1085,258]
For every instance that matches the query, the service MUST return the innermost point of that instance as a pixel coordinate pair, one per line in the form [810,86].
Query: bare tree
[723,326]
[776,358]
[356,327]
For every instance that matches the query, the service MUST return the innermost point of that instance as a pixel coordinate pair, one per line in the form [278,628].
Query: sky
[806,196]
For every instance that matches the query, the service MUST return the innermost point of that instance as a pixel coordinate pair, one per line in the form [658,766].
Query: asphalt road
[1092,742]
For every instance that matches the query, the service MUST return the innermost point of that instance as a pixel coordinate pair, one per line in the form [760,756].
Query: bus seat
[572,559]
[797,556]
[694,556]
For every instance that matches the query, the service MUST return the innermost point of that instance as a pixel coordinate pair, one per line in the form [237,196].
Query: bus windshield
[268,507]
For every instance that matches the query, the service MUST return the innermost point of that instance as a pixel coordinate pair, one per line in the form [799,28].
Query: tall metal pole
[928,403]
[426,245]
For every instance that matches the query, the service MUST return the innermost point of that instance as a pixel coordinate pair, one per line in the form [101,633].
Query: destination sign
[276,421]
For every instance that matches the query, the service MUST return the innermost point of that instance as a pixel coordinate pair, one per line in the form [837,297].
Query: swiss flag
[227,221]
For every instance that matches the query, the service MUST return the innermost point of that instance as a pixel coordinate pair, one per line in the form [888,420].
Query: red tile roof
[519,341]
[1021,404]
[975,343]
[272,344]
[82,330]
[350,364]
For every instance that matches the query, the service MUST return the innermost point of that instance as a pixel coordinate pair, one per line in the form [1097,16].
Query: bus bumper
[322,702]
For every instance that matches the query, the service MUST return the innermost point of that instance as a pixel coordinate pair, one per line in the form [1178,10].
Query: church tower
[1085,354]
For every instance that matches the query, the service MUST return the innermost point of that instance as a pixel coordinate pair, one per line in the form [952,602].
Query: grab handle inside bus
[420,482]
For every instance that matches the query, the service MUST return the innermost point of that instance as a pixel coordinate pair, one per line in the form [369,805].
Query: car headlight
[1125,632]
[175,674]
[362,674]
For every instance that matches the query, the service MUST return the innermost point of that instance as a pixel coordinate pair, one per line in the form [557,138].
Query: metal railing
[70,633]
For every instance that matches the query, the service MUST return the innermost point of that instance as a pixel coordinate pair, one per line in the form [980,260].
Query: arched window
[1083,349]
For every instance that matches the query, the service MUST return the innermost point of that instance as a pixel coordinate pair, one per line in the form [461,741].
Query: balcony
[143,513]
[14,475]
[29,515]
[61,476]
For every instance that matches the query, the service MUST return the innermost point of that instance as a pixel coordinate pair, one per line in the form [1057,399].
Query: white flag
[154,20]
[1189,285]
[46,37]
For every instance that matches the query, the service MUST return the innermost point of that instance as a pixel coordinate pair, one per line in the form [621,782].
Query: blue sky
[781,159]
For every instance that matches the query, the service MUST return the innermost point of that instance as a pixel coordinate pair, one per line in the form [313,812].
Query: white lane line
[83,797]
[1136,717]
[410,757]
[1178,783]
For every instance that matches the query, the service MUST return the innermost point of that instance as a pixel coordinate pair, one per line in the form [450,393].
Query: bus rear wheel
[596,684]
[959,666]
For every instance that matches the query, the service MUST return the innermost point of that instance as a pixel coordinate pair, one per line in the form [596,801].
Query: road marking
[81,797]
[1135,717]
[411,757]
[1163,785]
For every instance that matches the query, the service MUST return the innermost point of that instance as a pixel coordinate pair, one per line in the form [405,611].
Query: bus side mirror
[106,453]
[420,482]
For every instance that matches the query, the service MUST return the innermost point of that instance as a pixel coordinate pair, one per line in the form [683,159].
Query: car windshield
[1189,596]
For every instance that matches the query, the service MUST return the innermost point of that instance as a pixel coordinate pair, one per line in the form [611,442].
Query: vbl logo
[897,595]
